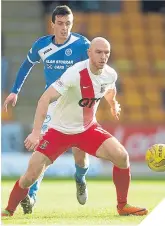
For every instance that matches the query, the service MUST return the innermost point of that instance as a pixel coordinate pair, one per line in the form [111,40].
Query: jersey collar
[58,45]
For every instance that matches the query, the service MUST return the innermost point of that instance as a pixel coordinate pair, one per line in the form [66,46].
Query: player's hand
[115,110]
[12,98]
[32,141]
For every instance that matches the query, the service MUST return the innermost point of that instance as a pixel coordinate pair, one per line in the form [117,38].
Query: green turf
[57,204]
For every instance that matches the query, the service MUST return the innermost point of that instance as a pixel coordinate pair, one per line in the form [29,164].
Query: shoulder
[82,39]
[77,68]
[43,41]
[44,38]
[111,71]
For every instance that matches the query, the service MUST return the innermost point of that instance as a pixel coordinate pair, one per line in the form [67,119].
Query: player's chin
[64,36]
[101,65]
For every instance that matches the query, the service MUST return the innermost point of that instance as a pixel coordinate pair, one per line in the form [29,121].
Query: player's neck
[95,70]
[59,41]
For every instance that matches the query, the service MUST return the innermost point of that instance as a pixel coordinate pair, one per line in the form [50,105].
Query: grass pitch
[57,204]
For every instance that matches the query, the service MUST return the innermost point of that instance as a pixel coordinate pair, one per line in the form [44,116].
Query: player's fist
[32,141]
[115,110]
[12,98]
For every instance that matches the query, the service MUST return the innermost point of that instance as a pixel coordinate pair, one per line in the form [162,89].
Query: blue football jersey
[57,58]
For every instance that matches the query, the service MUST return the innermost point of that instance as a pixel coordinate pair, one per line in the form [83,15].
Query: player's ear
[52,24]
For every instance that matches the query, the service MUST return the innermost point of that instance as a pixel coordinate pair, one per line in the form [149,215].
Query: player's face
[62,27]
[99,56]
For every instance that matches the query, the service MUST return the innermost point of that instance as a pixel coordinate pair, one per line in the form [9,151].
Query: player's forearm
[48,96]
[111,97]
[21,76]
[40,115]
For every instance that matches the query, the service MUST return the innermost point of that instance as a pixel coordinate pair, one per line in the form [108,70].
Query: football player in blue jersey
[57,52]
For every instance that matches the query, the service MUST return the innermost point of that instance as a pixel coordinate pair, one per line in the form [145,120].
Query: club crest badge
[68,52]
[44,144]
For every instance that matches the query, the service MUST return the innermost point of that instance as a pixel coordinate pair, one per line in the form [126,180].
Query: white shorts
[48,118]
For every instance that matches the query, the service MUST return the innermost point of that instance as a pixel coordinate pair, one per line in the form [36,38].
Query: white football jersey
[81,92]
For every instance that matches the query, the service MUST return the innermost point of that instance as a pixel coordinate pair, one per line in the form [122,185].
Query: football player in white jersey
[57,52]
[80,88]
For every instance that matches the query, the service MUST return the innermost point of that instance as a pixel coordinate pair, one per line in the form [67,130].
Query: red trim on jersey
[87,91]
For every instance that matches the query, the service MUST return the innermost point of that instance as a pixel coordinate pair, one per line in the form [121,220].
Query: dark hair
[61,10]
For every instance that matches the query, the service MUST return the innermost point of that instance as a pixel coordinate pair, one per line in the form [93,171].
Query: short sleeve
[33,55]
[113,84]
[65,81]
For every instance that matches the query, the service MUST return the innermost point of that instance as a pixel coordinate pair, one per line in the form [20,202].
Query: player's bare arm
[110,96]
[48,96]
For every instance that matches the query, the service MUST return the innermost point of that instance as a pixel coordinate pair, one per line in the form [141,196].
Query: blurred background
[136,31]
